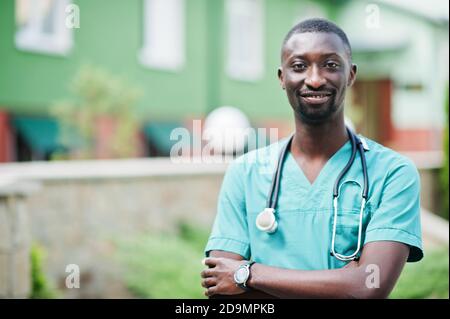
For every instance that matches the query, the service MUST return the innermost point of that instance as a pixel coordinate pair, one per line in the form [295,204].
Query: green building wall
[110,37]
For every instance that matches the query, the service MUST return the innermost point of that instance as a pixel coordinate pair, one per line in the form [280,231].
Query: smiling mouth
[316,97]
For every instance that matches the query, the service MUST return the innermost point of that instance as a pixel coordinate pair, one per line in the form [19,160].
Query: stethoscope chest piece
[266,221]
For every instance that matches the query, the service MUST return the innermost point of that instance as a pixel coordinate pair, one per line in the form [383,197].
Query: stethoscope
[266,220]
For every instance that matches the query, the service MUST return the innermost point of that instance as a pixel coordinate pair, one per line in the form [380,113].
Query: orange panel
[416,140]
[6,138]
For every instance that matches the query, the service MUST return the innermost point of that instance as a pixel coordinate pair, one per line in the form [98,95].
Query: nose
[314,78]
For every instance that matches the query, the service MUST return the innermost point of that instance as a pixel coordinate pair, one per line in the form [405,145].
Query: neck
[318,141]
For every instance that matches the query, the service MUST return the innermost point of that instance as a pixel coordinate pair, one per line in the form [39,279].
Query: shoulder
[384,159]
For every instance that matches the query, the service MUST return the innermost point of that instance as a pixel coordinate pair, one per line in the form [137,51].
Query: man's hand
[219,278]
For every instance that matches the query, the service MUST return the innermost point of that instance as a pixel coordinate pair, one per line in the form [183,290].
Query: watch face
[241,275]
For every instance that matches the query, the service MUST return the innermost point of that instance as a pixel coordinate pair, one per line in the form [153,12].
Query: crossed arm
[387,257]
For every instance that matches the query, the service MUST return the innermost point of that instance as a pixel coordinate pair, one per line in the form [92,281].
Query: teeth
[316,96]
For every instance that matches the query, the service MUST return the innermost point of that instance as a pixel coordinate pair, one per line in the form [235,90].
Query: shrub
[425,279]
[40,288]
[164,265]
[98,95]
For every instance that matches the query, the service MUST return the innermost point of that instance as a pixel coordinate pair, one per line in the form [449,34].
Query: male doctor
[295,261]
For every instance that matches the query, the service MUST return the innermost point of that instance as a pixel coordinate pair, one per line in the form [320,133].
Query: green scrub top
[305,212]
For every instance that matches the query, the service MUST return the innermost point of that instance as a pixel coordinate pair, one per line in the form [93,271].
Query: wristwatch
[242,274]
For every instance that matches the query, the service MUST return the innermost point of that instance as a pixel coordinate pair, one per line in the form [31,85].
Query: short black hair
[319,25]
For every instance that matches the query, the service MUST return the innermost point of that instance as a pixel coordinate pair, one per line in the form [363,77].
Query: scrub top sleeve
[230,231]
[397,218]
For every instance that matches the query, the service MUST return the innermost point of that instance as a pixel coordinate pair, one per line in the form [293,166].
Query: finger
[209,282]
[211,291]
[207,273]
[211,261]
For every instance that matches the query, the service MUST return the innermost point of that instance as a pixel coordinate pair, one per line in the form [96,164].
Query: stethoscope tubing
[357,146]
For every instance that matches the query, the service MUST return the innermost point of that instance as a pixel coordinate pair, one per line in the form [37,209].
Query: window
[245,45]
[40,26]
[164,27]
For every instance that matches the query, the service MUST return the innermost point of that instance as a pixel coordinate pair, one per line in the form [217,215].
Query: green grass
[425,279]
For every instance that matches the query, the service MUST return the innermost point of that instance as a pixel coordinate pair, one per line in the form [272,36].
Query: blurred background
[90,91]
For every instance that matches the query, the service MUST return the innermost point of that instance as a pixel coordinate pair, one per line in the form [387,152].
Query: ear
[352,77]
[281,77]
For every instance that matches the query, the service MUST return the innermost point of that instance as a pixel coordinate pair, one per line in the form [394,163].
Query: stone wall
[82,207]
[14,239]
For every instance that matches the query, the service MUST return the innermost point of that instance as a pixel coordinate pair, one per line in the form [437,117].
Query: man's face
[315,72]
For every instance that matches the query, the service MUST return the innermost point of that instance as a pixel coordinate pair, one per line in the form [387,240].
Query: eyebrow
[325,55]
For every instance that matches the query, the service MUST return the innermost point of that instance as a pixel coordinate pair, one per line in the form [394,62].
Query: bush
[425,279]
[99,96]
[40,288]
[164,265]
[193,236]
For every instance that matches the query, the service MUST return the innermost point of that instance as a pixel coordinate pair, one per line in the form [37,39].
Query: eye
[299,66]
[331,65]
